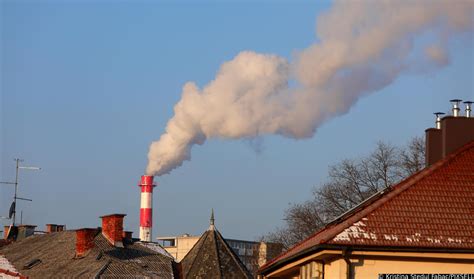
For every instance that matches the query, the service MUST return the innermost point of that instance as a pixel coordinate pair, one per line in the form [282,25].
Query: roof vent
[438,119]
[456,108]
[468,108]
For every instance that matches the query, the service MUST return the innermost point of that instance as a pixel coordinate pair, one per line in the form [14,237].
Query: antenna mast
[12,212]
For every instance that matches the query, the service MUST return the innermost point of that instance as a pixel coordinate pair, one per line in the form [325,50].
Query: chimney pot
[468,108]
[438,119]
[112,228]
[85,240]
[456,108]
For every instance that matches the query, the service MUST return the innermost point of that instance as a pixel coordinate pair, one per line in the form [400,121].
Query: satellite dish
[12,210]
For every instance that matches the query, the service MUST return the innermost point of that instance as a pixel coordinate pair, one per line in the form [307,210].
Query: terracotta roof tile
[433,208]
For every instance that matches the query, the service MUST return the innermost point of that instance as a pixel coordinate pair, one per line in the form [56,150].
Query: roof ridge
[217,252]
[231,252]
[372,203]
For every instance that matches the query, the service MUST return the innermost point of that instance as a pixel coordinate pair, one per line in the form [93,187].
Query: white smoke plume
[363,47]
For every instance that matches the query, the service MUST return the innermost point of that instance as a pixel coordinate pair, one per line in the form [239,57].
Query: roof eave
[333,247]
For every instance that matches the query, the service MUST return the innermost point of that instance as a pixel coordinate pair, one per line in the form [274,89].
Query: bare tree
[349,183]
[412,158]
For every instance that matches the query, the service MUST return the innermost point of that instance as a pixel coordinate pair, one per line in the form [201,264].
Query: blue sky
[86,86]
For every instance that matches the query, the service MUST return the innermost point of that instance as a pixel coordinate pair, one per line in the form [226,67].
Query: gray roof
[212,257]
[57,254]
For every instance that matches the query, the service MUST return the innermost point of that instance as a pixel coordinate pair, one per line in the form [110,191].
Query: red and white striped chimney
[146,207]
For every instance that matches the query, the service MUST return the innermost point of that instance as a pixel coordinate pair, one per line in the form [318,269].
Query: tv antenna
[12,211]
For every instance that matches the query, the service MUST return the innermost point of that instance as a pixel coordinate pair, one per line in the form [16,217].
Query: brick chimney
[433,146]
[25,231]
[112,228]
[452,132]
[6,229]
[84,240]
[127,235]
[10,232]
[51,228]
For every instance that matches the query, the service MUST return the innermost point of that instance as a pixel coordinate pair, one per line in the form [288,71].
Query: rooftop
[56,255]
[432,209]
[212,257]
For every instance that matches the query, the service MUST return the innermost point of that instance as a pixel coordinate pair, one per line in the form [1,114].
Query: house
[424,224]
[106,252]
[212,257]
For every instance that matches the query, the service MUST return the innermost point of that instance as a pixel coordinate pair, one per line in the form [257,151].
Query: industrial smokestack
[456,108]
[146,207]
[468,108]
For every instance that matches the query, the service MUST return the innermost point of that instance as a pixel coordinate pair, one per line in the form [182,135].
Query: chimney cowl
[468,108]
[438,119]
[85,240]
[456,108]
[112,228]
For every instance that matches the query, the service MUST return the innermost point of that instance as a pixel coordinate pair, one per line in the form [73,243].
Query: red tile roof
[433,208]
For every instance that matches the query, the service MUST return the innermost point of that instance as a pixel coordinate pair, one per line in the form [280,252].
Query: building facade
[178,246]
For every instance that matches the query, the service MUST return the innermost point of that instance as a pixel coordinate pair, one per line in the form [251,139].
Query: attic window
[32,263]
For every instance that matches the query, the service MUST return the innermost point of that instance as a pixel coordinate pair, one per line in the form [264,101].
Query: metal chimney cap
[438,119]
[468,102]
[455,100]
